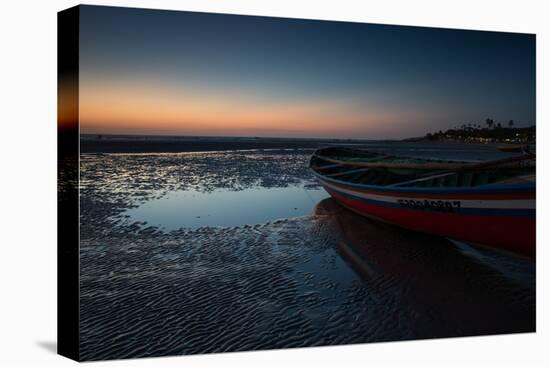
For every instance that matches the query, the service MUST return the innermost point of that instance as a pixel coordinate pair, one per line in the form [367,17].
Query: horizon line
[231,136]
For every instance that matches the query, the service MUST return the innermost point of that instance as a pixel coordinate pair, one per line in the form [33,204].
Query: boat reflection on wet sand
[451,288]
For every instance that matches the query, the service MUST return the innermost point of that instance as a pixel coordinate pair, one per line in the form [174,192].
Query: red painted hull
[510,233]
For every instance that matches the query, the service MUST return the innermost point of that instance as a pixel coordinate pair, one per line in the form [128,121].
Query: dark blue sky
[289,77]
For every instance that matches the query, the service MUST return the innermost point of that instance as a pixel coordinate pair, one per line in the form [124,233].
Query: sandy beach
[326,277]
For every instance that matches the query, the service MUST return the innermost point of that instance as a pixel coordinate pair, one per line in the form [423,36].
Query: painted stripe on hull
[521,207]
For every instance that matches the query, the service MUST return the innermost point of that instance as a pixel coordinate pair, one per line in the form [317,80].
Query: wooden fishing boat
[489,203]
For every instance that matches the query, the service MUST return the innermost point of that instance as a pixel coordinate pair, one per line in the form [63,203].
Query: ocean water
[271,262]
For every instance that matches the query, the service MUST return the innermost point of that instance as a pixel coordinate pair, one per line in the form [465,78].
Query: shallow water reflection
[226,208]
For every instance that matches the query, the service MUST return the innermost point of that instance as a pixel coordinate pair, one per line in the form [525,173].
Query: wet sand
[328,278]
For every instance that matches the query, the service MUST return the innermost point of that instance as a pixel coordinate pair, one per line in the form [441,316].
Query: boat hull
[500,216]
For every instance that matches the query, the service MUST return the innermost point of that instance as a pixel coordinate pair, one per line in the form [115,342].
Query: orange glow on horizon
[120,107]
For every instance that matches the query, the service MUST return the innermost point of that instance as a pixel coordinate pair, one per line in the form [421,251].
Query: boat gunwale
[432,164]
[388,156]
[487,188]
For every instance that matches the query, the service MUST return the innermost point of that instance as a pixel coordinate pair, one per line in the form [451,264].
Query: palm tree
[489,123]
[511,123]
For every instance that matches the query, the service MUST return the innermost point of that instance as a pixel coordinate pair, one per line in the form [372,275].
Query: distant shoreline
[174,144]
[98,144]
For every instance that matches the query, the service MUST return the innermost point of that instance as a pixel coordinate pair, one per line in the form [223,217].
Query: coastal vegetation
[489,132]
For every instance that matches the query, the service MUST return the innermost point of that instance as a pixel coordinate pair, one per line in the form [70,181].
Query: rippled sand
[325,279]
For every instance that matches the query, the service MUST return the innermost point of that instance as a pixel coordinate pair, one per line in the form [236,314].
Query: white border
[28,153]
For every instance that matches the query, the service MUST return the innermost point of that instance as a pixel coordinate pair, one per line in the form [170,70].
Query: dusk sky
[183,73]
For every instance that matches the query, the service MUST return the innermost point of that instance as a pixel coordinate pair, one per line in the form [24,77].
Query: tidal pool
[226,208]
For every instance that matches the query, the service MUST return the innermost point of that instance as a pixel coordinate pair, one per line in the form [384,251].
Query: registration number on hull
[437,205]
